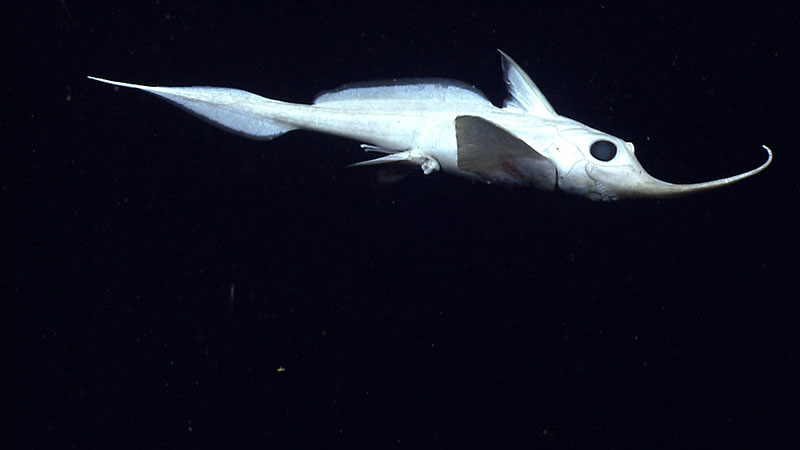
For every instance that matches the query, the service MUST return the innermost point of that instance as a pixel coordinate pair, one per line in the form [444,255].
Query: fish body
[449,126]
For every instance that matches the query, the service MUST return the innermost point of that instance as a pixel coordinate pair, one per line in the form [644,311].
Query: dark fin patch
[498,156]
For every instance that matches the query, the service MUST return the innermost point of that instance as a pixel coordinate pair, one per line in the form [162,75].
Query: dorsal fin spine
[523,91]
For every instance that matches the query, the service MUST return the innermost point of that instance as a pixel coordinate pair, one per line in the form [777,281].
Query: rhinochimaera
[448,125]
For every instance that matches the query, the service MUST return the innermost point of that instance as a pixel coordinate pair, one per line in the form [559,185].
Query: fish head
[600,166]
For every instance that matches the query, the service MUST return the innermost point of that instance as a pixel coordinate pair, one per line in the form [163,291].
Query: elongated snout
[613,183]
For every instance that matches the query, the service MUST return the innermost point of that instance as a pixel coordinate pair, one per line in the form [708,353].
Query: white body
[444,125]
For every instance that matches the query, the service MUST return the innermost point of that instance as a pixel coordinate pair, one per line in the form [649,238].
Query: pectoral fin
[496,155]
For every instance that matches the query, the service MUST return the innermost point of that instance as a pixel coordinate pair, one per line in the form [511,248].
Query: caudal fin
[235,110]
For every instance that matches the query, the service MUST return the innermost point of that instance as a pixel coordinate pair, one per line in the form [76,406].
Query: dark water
[168,285]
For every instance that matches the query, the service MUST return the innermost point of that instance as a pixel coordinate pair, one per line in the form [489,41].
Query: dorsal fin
[524,93]
[410,89]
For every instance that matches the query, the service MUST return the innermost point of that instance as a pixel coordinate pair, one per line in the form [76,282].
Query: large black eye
[603,150]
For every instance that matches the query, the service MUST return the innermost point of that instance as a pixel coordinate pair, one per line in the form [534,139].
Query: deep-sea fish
[447,125]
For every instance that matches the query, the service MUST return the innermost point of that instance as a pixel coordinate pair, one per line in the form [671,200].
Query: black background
[429,313]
